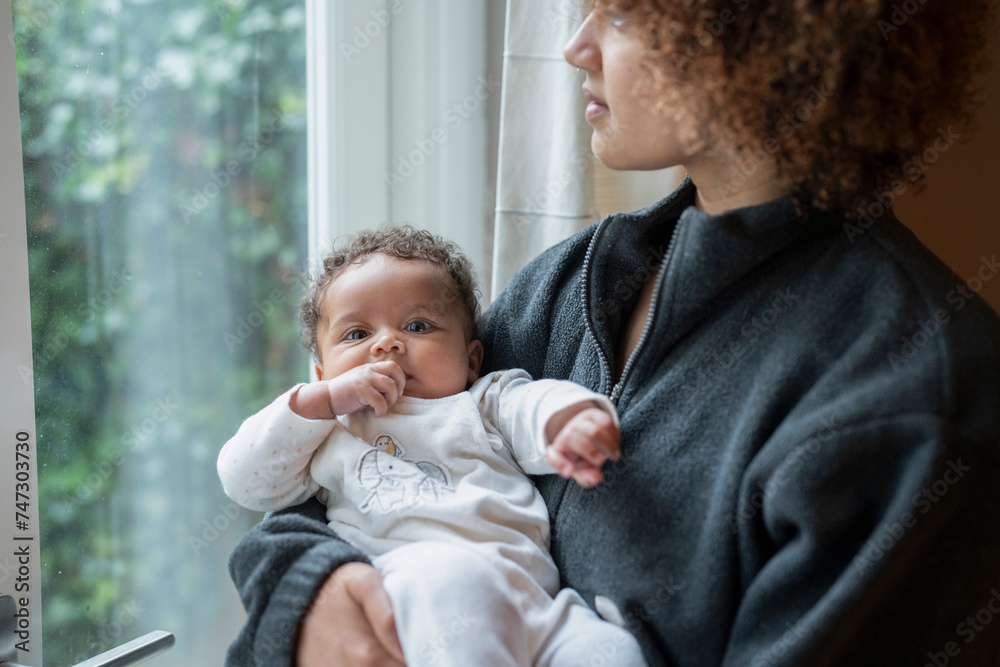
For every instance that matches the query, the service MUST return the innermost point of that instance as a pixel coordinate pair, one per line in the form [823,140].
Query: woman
[809,399]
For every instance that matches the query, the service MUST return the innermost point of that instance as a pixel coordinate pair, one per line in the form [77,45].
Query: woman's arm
[874,545]
[286,570]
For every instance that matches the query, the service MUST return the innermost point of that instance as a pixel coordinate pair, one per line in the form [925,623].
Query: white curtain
[545,184]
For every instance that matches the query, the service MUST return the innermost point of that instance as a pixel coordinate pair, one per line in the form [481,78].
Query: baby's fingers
[561,461]
[605,435]
[376,400]
[391,369]
[588,477]
[594,435]
[584,447]
[388,388]
[571,466]
[593,441]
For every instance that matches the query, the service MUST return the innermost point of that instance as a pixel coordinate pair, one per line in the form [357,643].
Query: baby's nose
[388,343]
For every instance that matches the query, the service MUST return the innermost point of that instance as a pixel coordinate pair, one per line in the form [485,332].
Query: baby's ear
[475,360]
[319,371]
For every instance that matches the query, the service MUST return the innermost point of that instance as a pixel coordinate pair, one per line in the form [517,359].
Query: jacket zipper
[585,294]
[616,390]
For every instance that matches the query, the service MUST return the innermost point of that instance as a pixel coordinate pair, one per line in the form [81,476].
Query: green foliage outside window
[164,160]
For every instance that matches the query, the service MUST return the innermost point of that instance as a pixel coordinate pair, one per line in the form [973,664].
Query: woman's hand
[350,623]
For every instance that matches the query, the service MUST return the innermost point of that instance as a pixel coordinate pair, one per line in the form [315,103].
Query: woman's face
[628,132]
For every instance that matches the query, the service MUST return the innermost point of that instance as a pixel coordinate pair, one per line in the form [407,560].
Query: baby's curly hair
[847,95]
[401,241]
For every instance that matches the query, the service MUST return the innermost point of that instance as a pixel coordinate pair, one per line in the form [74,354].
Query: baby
[422,464]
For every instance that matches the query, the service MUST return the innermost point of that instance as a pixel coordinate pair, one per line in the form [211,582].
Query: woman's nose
[387,343]
[581,50]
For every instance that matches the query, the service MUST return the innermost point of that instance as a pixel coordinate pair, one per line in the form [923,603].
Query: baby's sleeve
[521,408]
[265,466]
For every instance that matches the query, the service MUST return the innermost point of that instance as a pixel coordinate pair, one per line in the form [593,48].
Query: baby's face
[406,310]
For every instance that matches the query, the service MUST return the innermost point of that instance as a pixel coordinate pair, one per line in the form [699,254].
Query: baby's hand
[377,385]
[582,444]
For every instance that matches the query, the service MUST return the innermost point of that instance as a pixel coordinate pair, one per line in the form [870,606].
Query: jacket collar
[697,257]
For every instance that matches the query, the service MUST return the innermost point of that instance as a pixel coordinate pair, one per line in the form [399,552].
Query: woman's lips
[595,110]
[595,107]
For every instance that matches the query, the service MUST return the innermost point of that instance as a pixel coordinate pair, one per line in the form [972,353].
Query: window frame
[416,63]
[17,410]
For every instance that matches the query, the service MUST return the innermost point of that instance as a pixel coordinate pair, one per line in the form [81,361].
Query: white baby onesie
[436,494]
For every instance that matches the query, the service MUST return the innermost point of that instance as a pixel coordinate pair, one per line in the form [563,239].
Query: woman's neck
[723,184]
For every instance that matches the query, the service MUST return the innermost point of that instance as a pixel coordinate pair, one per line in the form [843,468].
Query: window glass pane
[164,161]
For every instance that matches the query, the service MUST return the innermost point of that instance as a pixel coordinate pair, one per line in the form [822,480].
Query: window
[406,98]
[173,192]
[165,180]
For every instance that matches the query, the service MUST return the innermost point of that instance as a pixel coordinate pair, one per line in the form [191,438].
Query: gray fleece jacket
[810,445]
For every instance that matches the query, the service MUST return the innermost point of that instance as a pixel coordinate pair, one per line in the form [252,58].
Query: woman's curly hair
[402,241]
[847,95]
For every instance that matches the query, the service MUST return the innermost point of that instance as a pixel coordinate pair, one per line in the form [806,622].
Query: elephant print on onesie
[396,483]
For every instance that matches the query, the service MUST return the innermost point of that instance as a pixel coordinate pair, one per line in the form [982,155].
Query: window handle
[132,653]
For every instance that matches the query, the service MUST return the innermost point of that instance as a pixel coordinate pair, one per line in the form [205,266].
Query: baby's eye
[356,334]
[418,326]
